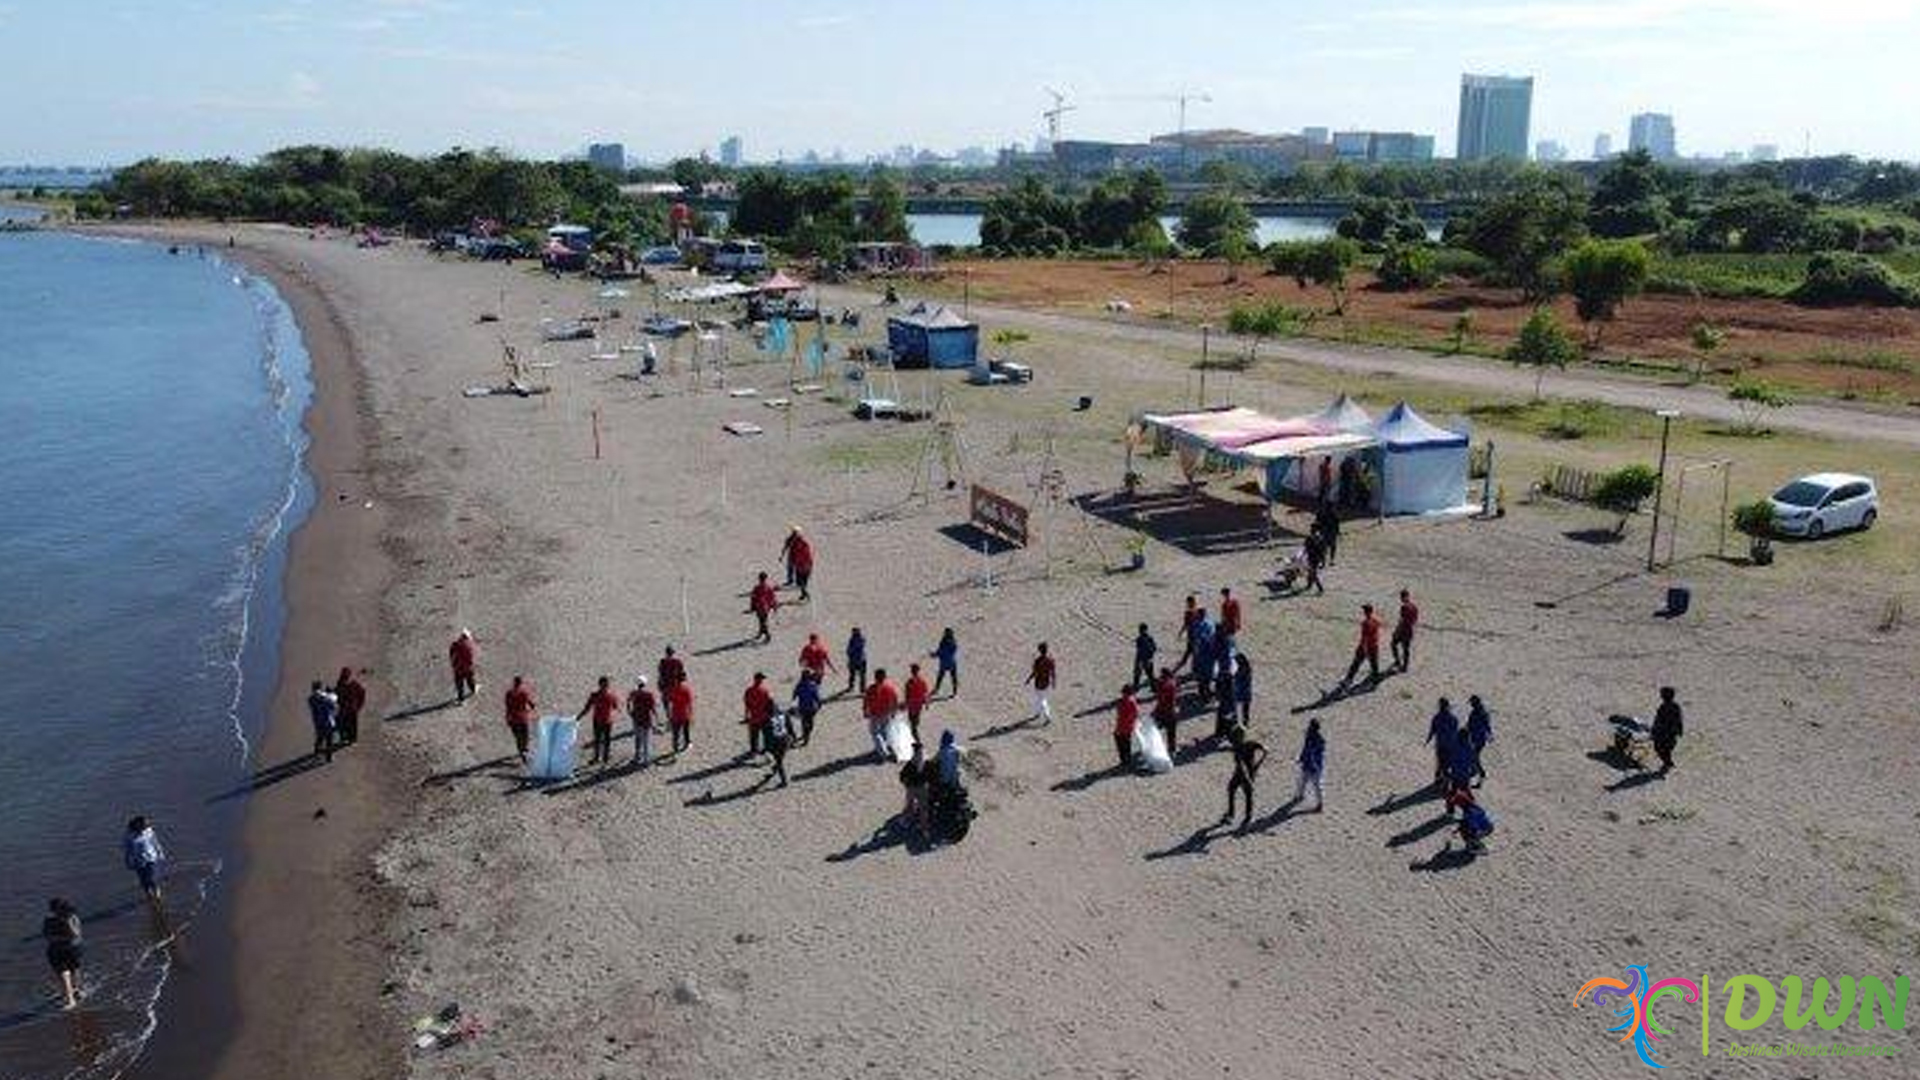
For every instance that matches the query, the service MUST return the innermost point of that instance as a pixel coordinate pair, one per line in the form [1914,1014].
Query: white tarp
[553,748]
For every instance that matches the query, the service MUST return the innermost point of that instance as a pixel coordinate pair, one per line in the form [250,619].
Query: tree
[1755,398]
[1210,218]
[1541,344]
[1405,267]
[1376,222]
[1323,263]
[1028,219]
[884,217]
[1623,490]
[1118,206]
[1523,230]
[1842,277]
[1462,330]
[1232,248]
[1706,339]
[1627,198]
[1601,275]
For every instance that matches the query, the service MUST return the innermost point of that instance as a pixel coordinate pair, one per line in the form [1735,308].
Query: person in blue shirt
[1204,660]
[806,706]
[1442,732]
[1144,650]
[1479,733]
[856,660]
[947,656]
[1313,764]
[324,708]
[1243,687]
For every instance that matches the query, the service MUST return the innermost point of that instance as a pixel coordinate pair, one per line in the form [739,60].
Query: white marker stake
[686,617]
[723,489]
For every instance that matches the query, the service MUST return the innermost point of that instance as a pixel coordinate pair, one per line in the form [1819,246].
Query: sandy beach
[687,920]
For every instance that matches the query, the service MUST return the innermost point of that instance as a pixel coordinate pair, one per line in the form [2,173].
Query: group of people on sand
[335,710]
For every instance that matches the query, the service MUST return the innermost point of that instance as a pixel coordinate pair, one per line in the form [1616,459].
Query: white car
[1813,506]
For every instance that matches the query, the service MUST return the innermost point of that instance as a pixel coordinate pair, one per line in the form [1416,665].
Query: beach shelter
[780,284]
[1343,414]
[932,335]
[1241,438]
[1423,467]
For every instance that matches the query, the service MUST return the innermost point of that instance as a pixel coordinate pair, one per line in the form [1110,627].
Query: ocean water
[151,442]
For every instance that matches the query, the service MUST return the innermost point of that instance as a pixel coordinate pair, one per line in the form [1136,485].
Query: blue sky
[111,81]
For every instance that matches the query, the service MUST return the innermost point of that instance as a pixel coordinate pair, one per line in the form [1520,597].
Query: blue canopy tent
[1423,467]
[932,336]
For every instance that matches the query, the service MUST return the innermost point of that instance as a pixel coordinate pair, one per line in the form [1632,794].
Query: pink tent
[781,283]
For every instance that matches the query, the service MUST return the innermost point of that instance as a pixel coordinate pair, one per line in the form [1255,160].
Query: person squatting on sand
[604,703]
[879,702]
[1041,677]
[324,709]
[521,711]
[946,657]
[762,602]
[642,709]
[461,657]
[1248,756]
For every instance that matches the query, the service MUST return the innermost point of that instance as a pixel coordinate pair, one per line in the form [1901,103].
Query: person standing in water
[65,948]
[141,852]
[462,656]
[946,657]
[521,712]
[1313,765]
[353,698]
[1248,756]
[1041,677]
[604,704]
[642,708]
[324,709]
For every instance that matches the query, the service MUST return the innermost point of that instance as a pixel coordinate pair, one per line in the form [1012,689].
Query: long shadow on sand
[999,731]
[708,798]
[1393,804]
[1634,780]
[1088,779]
[711,771]
[489,767]
[594,778]
[271,775]
[1196,843]
[413,711]
[837,765]
[895,833]
[1447,858]
[732,646]
[1336,694]
[1419,832]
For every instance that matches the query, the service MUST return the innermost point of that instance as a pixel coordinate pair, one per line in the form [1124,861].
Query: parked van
[739,257]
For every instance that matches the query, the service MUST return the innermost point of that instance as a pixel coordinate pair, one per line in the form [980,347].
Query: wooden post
[596,434]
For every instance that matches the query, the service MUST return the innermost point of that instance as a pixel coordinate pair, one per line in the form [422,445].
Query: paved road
[1833,419]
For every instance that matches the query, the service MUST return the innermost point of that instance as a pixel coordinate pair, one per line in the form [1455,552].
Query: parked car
[1815,505]
[665,255]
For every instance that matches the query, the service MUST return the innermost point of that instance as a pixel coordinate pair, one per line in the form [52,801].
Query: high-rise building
[1764,152]
[730,151]
[1496,114]
[1653,132]
[1602,146]
[611,157]
[1549,152]
[1316,136]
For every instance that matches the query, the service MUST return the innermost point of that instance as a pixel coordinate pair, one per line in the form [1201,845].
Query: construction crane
[1060,107]
[1182,98]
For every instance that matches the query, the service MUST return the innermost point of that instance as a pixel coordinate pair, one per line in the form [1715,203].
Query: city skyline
[423,75]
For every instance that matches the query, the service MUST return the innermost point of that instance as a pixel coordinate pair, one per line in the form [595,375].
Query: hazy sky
[107,81]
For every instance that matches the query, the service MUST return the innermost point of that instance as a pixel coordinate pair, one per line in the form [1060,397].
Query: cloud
[299,92]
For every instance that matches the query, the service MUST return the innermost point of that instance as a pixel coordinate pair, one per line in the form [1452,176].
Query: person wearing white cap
[642,707]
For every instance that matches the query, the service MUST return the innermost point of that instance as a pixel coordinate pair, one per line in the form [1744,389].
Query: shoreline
[304,919]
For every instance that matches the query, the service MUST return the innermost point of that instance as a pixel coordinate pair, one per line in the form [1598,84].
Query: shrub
[1623,490]
[1755,399]
[1407,266]
[1843,277]
[1754,518]
[1456,262]
[1541,344]
[1267,320]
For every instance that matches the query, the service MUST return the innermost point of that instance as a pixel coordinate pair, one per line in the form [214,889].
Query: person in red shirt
[1368,648]
[460,655]
[757,710]
[761,602]
[673,670]
[680,714]
[353,698]
[879,703]
[521,710]
[642,707]
[1126,716]
[1402,643]
[1229,613]
[1166,706]
[814,657]
[1041,678]
[918,694]
[604,704]
[798,553]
